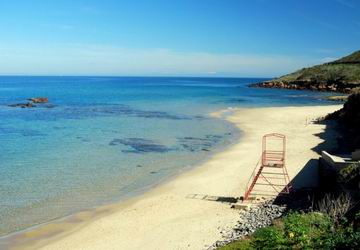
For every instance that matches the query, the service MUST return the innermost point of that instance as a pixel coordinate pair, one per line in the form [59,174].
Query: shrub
[299,231]
[350,176]
[244,244]
[335,207]
[302,231]
[306,231]
[269,238]
[342,239]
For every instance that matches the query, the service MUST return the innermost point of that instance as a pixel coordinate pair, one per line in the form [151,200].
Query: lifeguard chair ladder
[270,177]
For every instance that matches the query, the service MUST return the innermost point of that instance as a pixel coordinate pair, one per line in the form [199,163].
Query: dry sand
[170,216]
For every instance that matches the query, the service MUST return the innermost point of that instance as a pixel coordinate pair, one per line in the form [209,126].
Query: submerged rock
[22,105]
[140,145]
[30,104]
[196,144]
[50,106]
[124,110]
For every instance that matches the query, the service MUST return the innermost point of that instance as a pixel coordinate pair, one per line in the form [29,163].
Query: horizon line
[133,76]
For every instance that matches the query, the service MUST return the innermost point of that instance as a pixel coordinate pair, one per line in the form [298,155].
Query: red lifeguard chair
[270,177]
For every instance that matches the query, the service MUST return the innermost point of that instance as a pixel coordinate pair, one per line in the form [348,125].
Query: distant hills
[342,75]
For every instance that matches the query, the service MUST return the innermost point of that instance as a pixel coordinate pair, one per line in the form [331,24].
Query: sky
[232,38]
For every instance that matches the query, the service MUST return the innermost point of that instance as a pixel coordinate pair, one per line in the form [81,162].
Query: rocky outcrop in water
[306,85]
[30,104]
[22,105]
[39,100]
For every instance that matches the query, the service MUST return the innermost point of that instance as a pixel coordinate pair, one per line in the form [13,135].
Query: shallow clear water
[102,139]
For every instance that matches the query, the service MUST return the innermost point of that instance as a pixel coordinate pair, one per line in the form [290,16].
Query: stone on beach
[250,220]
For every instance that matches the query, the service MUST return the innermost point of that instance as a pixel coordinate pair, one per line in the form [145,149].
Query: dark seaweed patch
[82,112]
[82,139]
[105,110]
[233,100]
[199,117]
[58,127]
[195,144]
[140,145]
[23,132]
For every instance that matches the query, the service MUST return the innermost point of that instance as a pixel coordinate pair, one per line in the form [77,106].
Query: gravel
[256,217]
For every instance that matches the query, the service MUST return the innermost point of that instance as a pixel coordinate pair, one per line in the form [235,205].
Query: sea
[100,140]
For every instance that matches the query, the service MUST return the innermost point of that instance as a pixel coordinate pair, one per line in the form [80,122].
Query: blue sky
[174,37]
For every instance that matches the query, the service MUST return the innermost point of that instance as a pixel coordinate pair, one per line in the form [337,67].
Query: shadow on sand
[330,136]
[304,184]
[221,199]
[308,177]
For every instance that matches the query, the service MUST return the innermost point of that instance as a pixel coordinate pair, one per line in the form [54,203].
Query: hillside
[342,75]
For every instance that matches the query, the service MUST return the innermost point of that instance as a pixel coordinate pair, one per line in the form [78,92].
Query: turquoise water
[102,139]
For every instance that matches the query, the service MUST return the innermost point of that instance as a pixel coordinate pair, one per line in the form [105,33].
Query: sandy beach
[181,213]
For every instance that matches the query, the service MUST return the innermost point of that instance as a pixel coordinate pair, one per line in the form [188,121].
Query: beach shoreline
[176,214]
[96,211]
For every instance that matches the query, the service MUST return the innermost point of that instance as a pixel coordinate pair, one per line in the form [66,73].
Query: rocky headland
[342,76]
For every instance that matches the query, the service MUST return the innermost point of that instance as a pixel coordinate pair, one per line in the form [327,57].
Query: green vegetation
[353,58]
[350,176]
[302,231]
[345,70]
[342,75]
[327,73]
[245,244]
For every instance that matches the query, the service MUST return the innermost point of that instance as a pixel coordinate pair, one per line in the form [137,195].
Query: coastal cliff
[342,75]
[349,119]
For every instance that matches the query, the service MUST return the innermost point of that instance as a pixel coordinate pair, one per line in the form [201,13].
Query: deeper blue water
[102,139]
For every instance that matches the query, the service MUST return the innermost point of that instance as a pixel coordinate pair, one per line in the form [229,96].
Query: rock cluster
[31,102]
[22,105]
[305,85]
[250,220]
